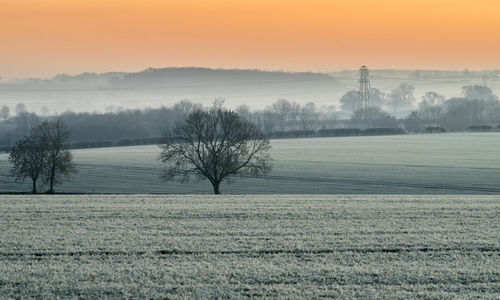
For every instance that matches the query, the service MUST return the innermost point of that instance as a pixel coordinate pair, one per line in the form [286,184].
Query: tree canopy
[214,144]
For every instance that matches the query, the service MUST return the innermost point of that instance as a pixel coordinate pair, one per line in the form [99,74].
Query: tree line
[214,143]
[477,106]
[211,144]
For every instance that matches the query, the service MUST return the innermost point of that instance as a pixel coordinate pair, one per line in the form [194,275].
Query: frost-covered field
[277,246]
[462,163]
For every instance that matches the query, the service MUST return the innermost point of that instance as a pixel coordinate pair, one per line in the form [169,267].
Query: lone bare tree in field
[43,155]
[28,159]
[214,144]
[59,158]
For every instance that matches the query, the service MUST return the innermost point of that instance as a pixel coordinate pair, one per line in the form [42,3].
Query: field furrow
[116,246]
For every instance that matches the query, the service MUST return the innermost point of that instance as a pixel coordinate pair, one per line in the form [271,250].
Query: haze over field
[113,91]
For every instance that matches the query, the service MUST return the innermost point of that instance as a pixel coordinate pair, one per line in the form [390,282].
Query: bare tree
[28,159]
[294,113]
[431,107]
[20,108]
[377,97]
[214,144]
[5,112]
[402,96]
[308,114]
[395,99]
[376,117]
[44,110]
[185,107]
[59,159]
[349,101]
[478,92]
[244,112]
[406,91]
[281,110]
[432,98]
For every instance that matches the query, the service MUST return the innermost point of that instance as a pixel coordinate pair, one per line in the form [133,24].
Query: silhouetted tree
[376,117]
[28,158]
[20,108]
[461,113]
[402,96]
[349,101]
[377,98]
[284,112]
[24,122]
[244,112]
[214,144]
[5,112]
[307,115]
[478,92]
[44,110]
[59,159]
[406,90]
[413,122]
[432,98]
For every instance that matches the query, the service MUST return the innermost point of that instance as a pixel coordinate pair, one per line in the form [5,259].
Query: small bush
[340,132]
[384,131]
[435,129]
[291,134]
[480,128]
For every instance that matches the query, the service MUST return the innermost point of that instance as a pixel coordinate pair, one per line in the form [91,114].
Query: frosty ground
[456,163]
[261,245]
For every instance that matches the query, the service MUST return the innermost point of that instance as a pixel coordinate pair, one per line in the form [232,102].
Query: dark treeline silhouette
[100,130]
[477,110]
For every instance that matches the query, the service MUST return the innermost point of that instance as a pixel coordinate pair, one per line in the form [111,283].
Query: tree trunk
[216,188]
[34,187]
[52,177]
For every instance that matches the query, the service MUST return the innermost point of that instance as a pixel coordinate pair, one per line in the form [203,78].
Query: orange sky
[46,37]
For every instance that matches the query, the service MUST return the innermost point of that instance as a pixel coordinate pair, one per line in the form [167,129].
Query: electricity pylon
[364,92]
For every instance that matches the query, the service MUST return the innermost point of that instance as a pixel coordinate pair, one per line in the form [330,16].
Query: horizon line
[315,71]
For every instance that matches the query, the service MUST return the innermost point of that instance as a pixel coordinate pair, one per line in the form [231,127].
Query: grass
[462,163]
[99,246]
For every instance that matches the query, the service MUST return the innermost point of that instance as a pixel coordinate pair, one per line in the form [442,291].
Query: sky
[42,38]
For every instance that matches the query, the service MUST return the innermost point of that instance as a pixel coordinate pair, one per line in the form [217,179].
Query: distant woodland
[478,110]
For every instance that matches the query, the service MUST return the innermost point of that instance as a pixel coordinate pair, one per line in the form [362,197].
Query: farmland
[153,246]
[461,163]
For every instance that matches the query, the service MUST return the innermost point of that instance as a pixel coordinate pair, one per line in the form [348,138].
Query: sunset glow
[46,37]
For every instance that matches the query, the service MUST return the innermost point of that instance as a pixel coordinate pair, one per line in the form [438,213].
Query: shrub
[384,131]
[480,128]
[435,129]
[340,132]
[291,134]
